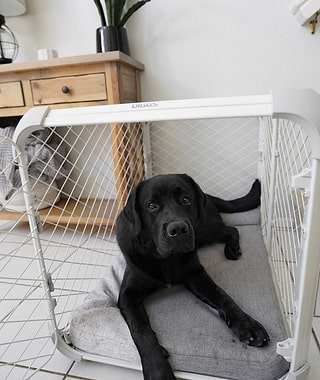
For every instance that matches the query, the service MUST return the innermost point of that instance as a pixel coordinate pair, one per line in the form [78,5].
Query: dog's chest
[175,269]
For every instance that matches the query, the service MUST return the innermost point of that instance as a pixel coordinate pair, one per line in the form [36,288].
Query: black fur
[164,222]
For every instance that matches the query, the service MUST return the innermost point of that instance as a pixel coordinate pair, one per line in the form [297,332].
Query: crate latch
[302,180]
[66,334]
[31,199]
[38,222]
[53,302]
[285,349]
[50,282]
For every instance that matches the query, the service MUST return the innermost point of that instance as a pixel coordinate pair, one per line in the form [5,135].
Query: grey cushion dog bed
[197,339]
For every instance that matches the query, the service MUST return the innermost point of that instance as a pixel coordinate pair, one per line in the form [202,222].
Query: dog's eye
[152,206]
[186,200]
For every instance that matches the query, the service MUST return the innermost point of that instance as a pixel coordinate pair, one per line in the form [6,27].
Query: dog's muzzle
[177,237]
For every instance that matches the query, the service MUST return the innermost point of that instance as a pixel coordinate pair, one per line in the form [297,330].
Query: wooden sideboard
[97,79]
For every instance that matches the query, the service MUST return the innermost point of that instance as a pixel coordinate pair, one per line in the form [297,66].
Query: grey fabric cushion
[196,338]
[242,218]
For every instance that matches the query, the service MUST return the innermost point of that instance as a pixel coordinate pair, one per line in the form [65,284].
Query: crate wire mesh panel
[77,208]
[24,313]
[99,155]
[286,152]
[221,154]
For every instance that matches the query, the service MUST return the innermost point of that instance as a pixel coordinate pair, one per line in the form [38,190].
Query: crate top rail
[299,105]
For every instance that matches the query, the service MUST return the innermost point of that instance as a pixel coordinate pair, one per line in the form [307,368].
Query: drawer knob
[65,89]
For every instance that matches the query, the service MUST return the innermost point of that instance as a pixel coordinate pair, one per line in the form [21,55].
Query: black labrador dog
[165,220]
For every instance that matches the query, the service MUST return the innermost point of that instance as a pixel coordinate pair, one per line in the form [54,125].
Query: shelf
[112,56]
[83,212]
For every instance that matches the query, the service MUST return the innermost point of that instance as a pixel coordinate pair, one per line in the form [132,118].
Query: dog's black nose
[176,229]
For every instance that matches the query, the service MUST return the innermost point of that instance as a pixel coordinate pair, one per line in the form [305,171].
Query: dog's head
[166,209]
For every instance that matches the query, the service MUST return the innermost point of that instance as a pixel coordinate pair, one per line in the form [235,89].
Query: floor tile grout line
[78,378]
[65,375]
[33,368]
[315,337]
[68,370]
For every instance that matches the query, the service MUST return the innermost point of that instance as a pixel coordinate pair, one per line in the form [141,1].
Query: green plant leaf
[101,12]
[119,6]
[113,12]
[108,9]
[132,10]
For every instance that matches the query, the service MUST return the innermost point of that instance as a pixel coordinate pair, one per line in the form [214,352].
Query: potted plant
[112,34]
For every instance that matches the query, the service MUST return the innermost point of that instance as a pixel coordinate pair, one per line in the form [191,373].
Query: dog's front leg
[244,327]
[153,356]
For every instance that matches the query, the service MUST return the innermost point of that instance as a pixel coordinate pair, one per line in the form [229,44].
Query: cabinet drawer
[81,88]
[11,95]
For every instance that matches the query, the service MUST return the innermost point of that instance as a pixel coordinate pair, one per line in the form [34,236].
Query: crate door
[26,342]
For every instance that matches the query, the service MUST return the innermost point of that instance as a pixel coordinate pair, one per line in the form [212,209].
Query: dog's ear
[201,196]
[131,211]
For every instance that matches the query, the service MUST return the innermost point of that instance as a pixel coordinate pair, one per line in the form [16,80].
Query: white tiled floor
[60,367]
[314,360]
[317,309]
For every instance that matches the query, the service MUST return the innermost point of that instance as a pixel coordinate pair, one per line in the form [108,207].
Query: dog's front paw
[158,370]
[249,331]
[232,253]
[159,374]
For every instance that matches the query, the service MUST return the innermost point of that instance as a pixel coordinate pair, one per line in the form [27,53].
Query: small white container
[44,54]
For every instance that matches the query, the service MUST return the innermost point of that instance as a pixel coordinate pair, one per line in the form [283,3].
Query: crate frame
[301,106]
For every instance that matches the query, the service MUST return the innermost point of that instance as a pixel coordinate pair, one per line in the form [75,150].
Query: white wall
[223,47]
[65,25]
[191,48]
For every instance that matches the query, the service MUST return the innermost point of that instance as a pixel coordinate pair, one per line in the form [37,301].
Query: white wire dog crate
[223,143]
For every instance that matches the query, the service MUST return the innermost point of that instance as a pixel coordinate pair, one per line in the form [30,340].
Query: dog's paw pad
[231,253]
[251,332]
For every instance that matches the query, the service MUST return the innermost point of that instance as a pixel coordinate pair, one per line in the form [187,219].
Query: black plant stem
[101,12]
[1,49]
